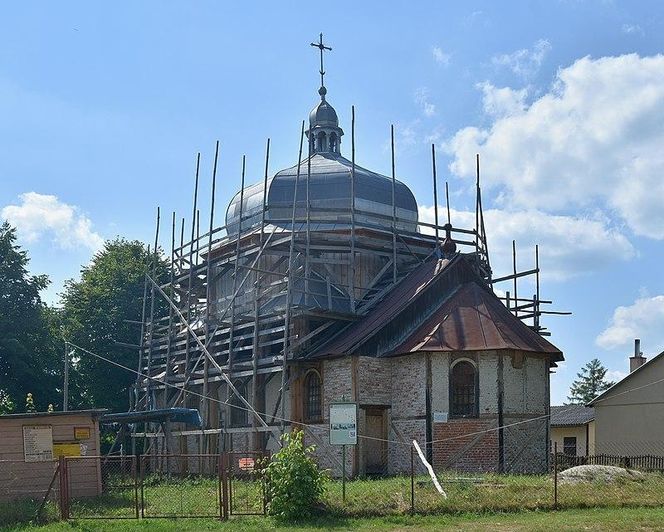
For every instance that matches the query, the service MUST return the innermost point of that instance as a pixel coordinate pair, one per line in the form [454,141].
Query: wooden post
[555,474]
[191,263]
[352,210]
[394,211]
[412,477]
[65,384]
[516,297]
[435,191]
[343,473]
[289,293]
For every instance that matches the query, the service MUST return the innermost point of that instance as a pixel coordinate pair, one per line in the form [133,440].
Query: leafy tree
[97,311]
[29,357]
[591,382]
[295,484]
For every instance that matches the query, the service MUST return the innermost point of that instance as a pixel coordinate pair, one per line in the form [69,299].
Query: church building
[324,286]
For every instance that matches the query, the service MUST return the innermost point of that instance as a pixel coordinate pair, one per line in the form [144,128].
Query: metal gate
[242,471]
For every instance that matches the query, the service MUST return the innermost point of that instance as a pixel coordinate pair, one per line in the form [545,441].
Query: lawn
[379,503]
[585,519]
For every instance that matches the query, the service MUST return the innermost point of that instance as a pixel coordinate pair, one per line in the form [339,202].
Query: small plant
[30,404]
[6,404]
[294,483]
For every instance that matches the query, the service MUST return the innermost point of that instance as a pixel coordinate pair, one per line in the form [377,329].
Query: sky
[103,108]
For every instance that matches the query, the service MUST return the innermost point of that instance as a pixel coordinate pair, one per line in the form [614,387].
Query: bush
[294,484]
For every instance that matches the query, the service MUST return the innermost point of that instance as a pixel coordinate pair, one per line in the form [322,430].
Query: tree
[29,358]
[97,312]
[590,382]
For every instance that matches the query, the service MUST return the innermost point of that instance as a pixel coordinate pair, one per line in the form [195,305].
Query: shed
[31,444]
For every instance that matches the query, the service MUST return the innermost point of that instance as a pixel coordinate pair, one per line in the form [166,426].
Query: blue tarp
[177,415]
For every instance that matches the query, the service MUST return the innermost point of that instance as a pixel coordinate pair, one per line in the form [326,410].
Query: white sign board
[343,424]
[37,443]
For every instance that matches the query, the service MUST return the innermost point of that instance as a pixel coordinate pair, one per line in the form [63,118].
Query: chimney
[638,359]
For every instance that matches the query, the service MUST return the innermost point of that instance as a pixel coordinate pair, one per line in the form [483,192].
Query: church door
[376,443]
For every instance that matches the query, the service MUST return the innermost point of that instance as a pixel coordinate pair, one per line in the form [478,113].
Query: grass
[565,520]
[376,503]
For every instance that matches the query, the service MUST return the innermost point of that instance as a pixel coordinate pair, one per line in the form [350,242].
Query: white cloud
[643,319]
[568,246]
[596,136]
[632,29]
[525,62]
[39,215]
[439,56]
[499,103]
[615,375]
[422,99]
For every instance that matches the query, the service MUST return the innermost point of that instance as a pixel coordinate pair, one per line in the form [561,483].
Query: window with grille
[239,417]
[313,400]
[569,445]
[463,390]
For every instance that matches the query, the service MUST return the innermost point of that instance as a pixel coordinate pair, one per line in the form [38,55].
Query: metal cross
[321,47]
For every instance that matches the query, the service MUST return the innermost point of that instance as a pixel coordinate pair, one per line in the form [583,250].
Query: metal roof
[91,412]
[329,189]
[570,415]
[474,319]
[190,416]
[442,305]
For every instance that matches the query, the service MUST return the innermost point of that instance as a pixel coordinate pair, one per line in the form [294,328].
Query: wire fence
[230,484]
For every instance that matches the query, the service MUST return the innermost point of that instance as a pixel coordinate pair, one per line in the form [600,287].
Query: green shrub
[294,483]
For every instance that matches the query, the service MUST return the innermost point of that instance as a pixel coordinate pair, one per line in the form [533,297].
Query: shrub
[294,483]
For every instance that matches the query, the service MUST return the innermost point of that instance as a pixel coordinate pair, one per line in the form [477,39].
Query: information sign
[37,443]
[343,424]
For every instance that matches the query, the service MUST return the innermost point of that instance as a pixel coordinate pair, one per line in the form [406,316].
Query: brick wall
[466,452]
[374,379]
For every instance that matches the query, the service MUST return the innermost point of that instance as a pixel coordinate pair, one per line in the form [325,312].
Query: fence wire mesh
[180,486]
[102,487]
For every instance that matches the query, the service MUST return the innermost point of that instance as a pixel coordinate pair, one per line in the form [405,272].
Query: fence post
[220,467]
[412,480]
[555,474]
[134,467]
[224,484]
[141,464]
[64,491]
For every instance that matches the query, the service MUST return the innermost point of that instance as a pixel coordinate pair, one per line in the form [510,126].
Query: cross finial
[322,48]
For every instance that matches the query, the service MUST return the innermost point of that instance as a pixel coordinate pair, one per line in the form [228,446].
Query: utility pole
[65,386]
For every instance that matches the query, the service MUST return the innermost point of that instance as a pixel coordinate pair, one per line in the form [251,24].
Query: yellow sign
[81,433]
[66,449]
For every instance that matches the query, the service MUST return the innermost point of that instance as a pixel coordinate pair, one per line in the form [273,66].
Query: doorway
[375,444]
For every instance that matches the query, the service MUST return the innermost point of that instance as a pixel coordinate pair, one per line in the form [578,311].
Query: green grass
[376,501]
[565,520]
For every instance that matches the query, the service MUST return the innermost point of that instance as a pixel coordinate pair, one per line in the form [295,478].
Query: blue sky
[103,108]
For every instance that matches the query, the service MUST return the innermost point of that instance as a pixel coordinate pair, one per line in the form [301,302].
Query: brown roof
[394,302]
[442,305]
[474,319]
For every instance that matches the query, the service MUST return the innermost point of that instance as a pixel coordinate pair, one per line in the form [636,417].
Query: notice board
[37,443]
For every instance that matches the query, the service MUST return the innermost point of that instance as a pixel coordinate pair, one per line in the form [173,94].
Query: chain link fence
[231,484]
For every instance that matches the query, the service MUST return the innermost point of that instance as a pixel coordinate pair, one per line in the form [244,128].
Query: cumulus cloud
[38,215]
[422,99]
[569,246]
[642,319]
[525,62]
[439,56]
[594,139]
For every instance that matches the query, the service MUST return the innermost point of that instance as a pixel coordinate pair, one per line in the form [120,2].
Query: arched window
[321,142]
[239,417]
[313,397]
[463,390]
[333,142]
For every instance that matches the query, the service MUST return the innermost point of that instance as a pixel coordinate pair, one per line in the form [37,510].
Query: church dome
[323,114]
[325,176]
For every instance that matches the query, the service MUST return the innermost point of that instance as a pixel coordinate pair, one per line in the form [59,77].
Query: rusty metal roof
[442,305]
[474,319]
